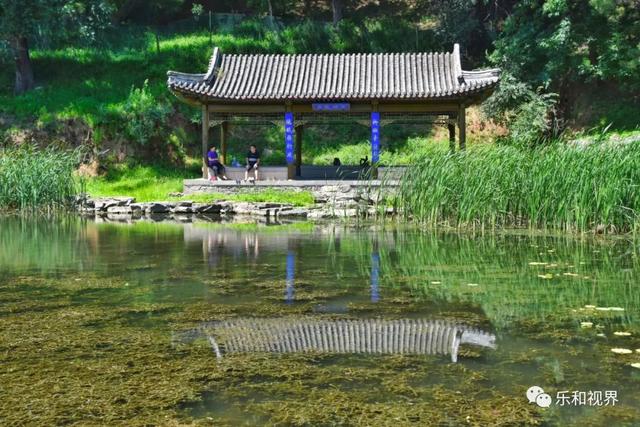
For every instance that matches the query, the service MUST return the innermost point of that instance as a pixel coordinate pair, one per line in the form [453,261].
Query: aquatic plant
[37,178]
[442,265]
[559,186]
[91,313]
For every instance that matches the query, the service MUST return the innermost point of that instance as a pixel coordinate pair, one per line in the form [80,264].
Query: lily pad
[621,351]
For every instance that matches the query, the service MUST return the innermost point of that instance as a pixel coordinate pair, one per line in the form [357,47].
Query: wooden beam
[299,130]
[427,107]
[246,109]
[353,108]
[462,128]
[205,140]
[224,131]
[440,107]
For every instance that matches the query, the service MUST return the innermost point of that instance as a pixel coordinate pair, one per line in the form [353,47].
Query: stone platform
[201,185]
[331,191]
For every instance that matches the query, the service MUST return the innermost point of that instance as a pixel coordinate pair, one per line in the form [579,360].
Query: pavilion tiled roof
[320,77]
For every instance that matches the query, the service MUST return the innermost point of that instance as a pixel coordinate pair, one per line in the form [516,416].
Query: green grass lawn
[145,183]
[155,183]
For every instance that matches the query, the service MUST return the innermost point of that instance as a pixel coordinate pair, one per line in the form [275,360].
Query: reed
[32,178]
[559,186]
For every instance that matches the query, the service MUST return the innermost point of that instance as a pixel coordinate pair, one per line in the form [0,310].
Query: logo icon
[537,395]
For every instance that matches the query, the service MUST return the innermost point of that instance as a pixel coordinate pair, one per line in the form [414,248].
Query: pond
[302,324]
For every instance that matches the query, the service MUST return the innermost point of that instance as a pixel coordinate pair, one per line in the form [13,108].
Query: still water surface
[228,324]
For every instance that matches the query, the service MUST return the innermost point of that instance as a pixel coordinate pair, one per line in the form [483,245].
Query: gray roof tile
[251,77]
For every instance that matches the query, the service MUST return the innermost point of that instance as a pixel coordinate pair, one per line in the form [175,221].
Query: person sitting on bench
[253,161]
[216,168]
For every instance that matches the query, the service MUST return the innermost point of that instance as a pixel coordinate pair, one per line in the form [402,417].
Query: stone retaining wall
[322,190]
[341,205]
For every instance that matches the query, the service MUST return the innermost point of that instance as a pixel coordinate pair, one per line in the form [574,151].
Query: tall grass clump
[32,178]
[560,186]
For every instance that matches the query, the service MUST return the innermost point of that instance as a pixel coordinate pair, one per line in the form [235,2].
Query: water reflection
[375,276]
[290,268]
[248,246]
[357,336]
[532,290]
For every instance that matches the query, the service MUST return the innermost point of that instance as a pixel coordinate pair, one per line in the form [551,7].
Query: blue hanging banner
[288,137]
[331,106]
[375,137]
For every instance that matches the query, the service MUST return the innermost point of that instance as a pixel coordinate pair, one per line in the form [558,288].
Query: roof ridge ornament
[457,65]
[213,65]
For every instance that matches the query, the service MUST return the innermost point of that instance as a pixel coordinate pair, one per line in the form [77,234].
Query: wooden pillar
[224,131]
[452,134]
[205,140]
[299,131]
[462,128]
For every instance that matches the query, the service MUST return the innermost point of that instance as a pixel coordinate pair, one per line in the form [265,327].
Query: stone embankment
[330,202]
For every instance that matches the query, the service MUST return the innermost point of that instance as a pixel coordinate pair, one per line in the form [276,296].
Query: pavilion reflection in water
[316,334]
[247,246]
[357,336]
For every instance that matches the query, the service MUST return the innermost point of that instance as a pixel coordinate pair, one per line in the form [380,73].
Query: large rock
[183,209]
[319,214]
[208,209]
[106,203]
[133,210]
[292,212]
[267,205]
[156,208]
[122,210]
[241,208]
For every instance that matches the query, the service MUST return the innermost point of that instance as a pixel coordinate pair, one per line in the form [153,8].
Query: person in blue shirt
[253,161]
[216,168]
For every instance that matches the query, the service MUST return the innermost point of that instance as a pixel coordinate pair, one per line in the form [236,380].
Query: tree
[21,20]
[18,21]
[565,45]
[336,8]
[152,13]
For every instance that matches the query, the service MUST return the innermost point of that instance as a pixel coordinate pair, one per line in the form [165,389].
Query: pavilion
[300,90]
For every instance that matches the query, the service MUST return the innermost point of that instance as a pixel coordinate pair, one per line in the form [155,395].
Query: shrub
[529,115]
[348,37]
[308,37]
[144,115]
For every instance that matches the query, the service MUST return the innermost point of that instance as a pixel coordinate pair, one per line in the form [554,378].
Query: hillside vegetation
[105,89]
